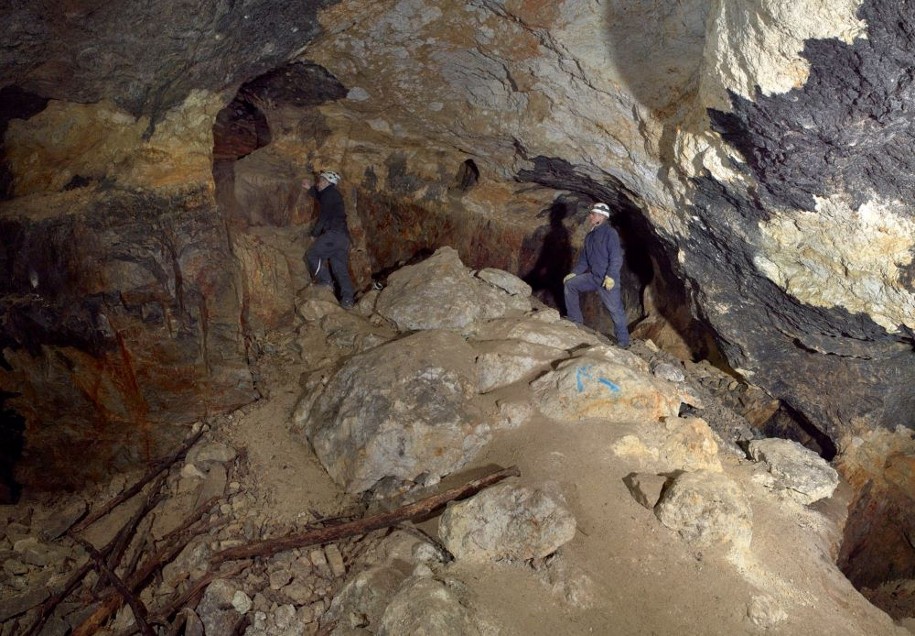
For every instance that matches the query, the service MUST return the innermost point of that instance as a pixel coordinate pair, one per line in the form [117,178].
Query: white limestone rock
[504,362]
[865,246]
[507,522]
[688,443]
[506,281]
[440,293]
[799,473]
[707,509]
[400,410]
[426,606]
[749,46]
[538,329]
[591,385]
[208,452]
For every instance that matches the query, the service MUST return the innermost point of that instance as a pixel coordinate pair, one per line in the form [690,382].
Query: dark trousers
[612,299]
[329,255]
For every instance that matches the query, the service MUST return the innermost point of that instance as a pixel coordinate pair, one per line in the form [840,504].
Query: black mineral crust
[849,131]
[850,128]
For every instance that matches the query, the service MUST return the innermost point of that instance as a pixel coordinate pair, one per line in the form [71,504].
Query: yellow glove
[568,278]
[608,283]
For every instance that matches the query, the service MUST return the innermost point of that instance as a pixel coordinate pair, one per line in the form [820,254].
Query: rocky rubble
[389,414]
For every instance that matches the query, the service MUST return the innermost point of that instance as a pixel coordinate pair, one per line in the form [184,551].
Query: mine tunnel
[153,232]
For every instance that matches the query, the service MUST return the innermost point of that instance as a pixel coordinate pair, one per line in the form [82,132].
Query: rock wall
[815,287]
[121,296]
[119,326]
[755,154]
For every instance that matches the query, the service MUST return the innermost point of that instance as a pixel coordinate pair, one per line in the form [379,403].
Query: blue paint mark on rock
[584,373]
[610,385]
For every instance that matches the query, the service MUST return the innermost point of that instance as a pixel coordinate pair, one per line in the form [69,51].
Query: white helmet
[332,177]
[601,208]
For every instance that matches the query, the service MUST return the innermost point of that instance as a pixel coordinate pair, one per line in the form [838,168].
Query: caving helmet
[331,176]
[601,208]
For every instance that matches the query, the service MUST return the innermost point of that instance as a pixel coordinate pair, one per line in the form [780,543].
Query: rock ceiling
[757,152]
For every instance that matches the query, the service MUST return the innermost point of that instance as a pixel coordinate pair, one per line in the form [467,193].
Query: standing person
[598,269]
[329,254]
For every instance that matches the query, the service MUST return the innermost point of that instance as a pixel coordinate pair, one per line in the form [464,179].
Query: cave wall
[802,249]
[119,327]
[146,57]
[755,154]
[120,291]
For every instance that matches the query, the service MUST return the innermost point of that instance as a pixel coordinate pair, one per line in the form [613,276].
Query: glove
[568,277]
[608,283]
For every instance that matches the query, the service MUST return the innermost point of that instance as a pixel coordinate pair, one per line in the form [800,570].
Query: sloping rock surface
[440,293]
[401,410]
[606,384]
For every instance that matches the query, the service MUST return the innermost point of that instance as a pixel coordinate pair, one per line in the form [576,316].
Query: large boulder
[541,328]
[507,522]
[707,509]
[440,293]
[504,362]
[605,383]
[404,409]
[798,472]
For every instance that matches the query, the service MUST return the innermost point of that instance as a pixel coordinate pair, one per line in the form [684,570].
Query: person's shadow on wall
[554,258]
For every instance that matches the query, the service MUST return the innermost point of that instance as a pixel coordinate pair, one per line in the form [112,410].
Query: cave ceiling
[765,147]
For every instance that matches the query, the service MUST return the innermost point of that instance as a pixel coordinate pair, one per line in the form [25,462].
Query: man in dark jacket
[329,254]
[598,269]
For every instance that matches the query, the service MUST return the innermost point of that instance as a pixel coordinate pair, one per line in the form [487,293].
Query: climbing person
[329,254]
[598,269]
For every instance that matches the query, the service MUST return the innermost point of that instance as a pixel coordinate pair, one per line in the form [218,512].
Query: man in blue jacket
[329,254]
[598,269]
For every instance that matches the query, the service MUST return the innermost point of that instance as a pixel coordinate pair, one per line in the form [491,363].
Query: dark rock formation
[120,326]
[849,129]
[144,56]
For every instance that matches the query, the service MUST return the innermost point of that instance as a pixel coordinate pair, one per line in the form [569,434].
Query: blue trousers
[329,255]
[612,300]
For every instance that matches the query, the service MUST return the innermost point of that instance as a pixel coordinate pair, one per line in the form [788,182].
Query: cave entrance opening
[240,129]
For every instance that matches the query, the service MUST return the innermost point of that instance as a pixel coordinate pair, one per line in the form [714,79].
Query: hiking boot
[347,303]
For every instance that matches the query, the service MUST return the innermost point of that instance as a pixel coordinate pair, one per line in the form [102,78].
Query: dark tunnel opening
[467,176]
[240,129]
[15,103]
[788,423]
[12,443]
[253,188]
[651,285]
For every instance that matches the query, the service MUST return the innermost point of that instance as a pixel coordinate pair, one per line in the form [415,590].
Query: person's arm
[614,254]
[581,266]
[310,188]
[320,223]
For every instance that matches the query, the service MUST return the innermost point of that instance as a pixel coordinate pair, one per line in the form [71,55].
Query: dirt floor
[624,573]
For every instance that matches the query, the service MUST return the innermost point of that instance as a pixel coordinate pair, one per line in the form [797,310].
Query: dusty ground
[624,573]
